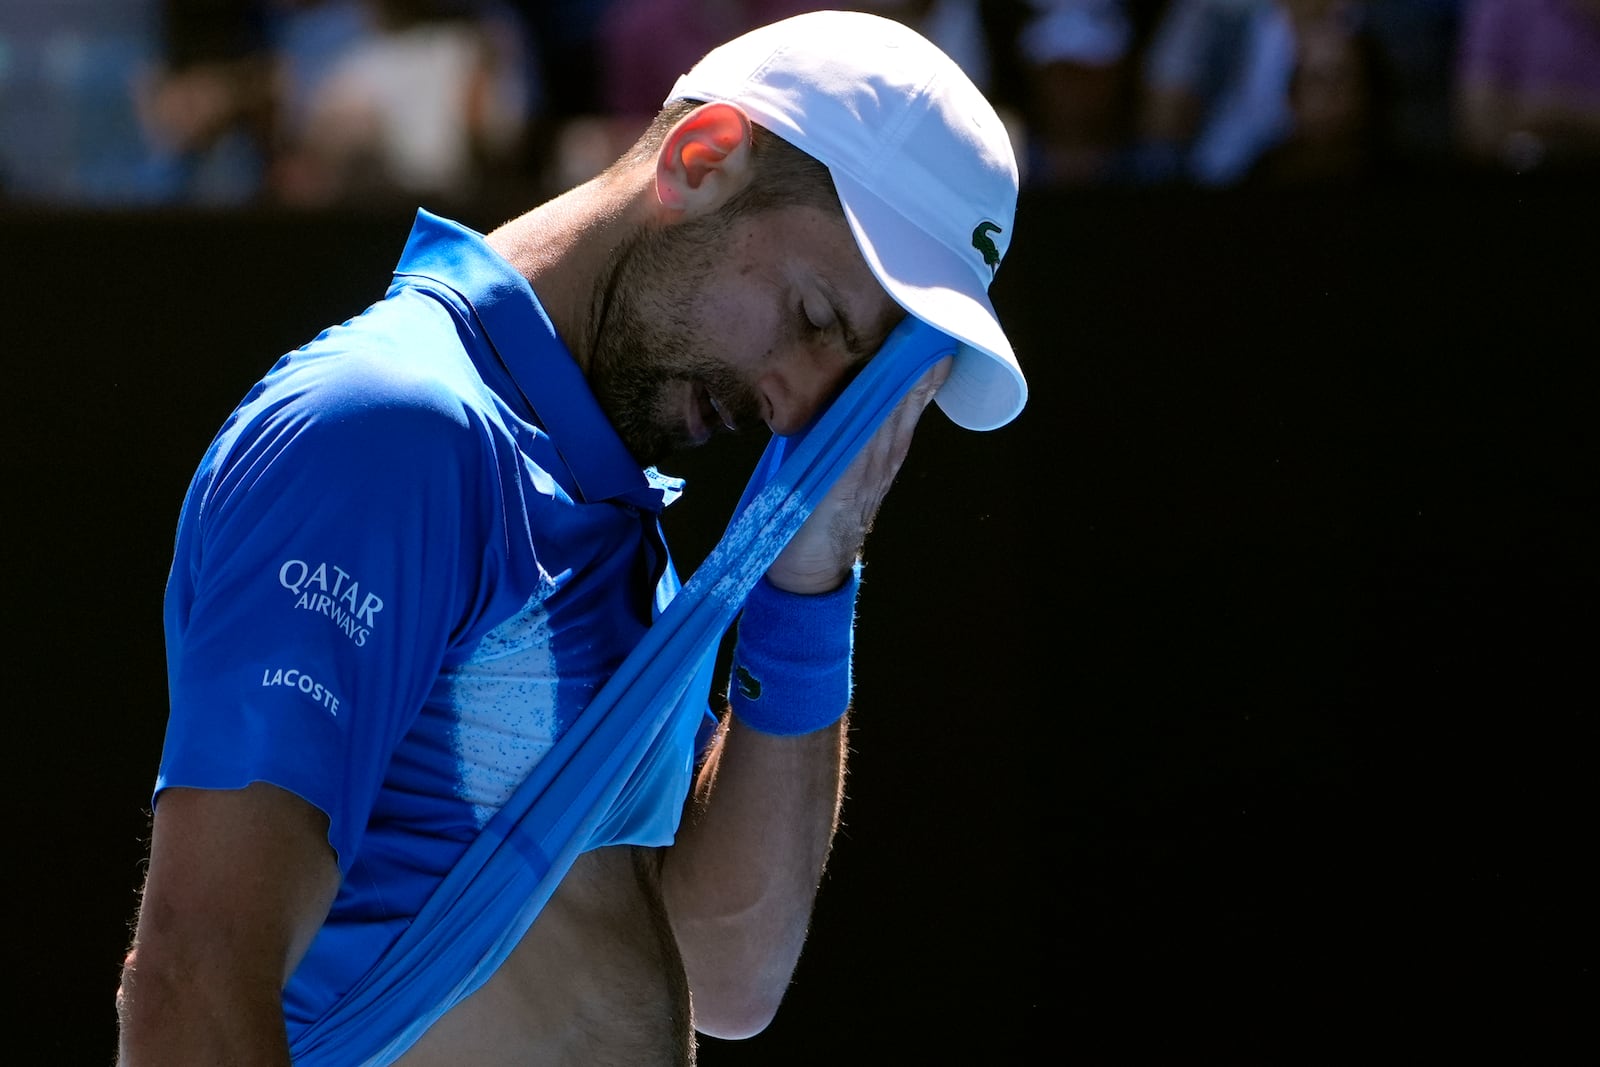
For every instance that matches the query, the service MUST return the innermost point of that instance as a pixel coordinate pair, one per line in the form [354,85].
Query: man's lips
[722,413]
[706,415]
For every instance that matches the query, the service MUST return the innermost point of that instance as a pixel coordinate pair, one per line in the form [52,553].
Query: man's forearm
[741,879]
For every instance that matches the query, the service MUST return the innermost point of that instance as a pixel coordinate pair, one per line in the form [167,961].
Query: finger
[832,537]
[892,441]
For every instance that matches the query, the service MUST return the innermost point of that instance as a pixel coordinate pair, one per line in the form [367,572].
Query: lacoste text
[308,685]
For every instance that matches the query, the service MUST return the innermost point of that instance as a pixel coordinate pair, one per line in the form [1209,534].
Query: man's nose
[799,387]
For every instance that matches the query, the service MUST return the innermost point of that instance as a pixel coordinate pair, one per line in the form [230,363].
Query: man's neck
[564,248]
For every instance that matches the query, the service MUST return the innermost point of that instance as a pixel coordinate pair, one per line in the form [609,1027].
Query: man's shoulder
[404,353]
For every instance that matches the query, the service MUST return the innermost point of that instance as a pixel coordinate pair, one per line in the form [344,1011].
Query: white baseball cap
[922,164]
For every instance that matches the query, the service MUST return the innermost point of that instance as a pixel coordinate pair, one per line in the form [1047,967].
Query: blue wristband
[791,662]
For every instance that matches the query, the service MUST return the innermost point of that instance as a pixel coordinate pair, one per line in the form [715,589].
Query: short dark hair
[781,174]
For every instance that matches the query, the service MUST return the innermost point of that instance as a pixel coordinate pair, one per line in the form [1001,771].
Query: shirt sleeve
[332,542]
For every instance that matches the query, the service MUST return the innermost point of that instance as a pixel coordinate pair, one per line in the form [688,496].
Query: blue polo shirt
[407,562]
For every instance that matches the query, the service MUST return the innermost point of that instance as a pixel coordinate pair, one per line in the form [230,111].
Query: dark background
[1235,702]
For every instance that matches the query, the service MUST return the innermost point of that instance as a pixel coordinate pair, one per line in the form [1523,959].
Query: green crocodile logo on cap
[983,243]
[749,684]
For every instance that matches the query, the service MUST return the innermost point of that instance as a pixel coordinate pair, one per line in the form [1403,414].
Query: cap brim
[986,388]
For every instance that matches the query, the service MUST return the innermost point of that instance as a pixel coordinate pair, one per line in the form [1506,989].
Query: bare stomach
[596,981]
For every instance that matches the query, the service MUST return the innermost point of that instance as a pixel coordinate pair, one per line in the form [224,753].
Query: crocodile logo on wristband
[749,684]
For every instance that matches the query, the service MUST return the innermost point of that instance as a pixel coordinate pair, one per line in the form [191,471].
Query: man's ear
[704,160]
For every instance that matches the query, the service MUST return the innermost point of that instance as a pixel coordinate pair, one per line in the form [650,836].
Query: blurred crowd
[359,103]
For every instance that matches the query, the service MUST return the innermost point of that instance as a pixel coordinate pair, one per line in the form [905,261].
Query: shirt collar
[551,384]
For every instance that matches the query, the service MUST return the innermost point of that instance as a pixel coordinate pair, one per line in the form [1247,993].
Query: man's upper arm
[239,882]
[260,853]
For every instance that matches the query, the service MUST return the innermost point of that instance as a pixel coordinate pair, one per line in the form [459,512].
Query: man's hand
[822,551]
